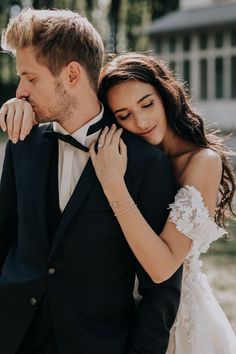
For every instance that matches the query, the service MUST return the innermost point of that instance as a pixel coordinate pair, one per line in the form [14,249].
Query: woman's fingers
[17,118]
[123,149]
[16,125]
[3,113]
[92,151]
[102,138]
[9,121]
[109,135]
[27,124]
[116,138]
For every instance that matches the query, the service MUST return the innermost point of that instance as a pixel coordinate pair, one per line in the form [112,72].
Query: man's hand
[17,118]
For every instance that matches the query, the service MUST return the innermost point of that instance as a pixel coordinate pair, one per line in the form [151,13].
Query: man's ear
[73,72]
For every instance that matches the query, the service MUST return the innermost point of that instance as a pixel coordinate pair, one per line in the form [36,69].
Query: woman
[147,100]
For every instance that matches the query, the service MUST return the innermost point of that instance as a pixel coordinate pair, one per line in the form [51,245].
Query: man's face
[46,93]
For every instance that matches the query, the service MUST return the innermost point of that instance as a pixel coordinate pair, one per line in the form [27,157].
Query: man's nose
[22,91]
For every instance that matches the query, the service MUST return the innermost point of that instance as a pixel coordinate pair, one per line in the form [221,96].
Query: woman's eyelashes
[125,116]
[148,104]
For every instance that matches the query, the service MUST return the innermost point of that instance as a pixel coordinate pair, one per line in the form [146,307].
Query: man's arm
[157,310]
[8,206]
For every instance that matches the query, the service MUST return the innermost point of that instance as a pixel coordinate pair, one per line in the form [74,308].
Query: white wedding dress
[201,326]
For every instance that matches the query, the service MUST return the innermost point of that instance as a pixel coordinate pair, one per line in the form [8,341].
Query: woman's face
[138,108]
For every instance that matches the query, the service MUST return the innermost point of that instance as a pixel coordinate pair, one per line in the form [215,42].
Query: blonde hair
[57,37]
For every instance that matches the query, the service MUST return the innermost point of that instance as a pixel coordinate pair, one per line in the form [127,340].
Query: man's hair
[57,37]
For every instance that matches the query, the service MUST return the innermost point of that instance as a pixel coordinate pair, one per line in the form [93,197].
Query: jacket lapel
[45,153]
[84,186]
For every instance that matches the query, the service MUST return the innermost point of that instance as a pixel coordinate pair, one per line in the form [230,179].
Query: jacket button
[51,271]
[33,301]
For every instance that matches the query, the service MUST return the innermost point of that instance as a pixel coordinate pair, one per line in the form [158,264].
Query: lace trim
[191,217]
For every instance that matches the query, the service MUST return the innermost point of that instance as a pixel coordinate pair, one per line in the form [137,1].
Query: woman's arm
[159,256]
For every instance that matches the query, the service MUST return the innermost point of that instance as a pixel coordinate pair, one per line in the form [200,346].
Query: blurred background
[197,39]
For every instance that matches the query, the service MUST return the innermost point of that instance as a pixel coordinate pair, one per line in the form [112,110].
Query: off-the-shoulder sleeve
[191,217]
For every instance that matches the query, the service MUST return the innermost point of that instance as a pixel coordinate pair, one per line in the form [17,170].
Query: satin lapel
[41,162]
[84,186]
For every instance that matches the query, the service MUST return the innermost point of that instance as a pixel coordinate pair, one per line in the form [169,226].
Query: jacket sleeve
[158,306]
[8,206]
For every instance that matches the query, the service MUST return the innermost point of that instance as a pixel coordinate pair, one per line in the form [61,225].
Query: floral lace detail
[191,217]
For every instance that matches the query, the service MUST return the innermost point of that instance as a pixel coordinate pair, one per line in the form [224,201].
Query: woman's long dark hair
[183,120]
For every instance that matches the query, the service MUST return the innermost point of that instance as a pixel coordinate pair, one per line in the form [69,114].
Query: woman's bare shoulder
[205,165]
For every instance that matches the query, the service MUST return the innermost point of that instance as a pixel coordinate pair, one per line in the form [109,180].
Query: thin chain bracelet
[117,203]
[126,210]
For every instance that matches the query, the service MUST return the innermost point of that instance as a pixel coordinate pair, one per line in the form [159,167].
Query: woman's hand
[110,162]
[17,118]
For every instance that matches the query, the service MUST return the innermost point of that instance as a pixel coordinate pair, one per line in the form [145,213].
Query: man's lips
[147,132]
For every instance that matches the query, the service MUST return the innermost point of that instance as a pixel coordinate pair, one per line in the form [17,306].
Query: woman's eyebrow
[140,100]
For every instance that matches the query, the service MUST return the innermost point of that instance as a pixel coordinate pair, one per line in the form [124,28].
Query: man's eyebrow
[25,73]
[140,100]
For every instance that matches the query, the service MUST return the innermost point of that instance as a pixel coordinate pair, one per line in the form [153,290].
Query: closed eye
[147,105]
[123,117]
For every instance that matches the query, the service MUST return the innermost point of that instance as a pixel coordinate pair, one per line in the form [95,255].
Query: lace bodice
[191,217]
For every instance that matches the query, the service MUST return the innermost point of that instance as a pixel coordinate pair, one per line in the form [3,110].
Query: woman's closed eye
[147,104]
[123,117]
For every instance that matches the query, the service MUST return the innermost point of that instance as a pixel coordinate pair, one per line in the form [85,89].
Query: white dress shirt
[72,161]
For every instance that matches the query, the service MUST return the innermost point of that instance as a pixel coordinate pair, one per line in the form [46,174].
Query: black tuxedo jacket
[88,269]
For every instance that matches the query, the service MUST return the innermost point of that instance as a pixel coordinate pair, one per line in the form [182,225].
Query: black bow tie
[50,134]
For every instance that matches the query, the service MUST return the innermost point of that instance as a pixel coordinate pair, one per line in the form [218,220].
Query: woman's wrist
[117,192]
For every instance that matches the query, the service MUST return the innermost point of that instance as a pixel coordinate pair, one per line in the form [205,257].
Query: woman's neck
[174,146]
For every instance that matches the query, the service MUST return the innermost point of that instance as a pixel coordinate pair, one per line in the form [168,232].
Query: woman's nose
[142,121]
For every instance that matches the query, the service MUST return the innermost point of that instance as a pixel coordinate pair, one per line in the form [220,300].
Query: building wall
[190,4]
[206,61]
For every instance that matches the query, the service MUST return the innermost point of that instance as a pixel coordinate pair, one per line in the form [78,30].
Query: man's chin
[42,119]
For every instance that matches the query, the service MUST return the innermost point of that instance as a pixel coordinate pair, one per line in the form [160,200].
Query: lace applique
[191,217]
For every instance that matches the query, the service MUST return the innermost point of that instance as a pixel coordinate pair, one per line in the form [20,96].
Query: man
[67,277]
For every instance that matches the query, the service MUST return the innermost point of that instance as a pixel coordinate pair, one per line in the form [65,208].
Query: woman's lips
[148,131]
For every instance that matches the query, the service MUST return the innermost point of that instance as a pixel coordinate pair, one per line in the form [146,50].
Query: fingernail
[4,129]
[14,140]
[22,137]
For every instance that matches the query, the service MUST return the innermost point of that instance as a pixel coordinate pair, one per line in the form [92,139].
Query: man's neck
[81,116]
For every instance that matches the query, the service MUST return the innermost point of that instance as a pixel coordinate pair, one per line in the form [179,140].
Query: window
[172,66]
[203,41]
[159,45]
[186,44]
[186,72]
[219,76]
[172,44]
[233,77]
[203,79]
[219,39]
[233,38]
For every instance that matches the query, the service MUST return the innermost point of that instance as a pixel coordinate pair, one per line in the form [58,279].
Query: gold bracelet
[126,210]
[117,203]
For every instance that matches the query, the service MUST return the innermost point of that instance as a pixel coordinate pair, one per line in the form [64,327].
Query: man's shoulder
[32,143]
[140,150]
[33,138]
